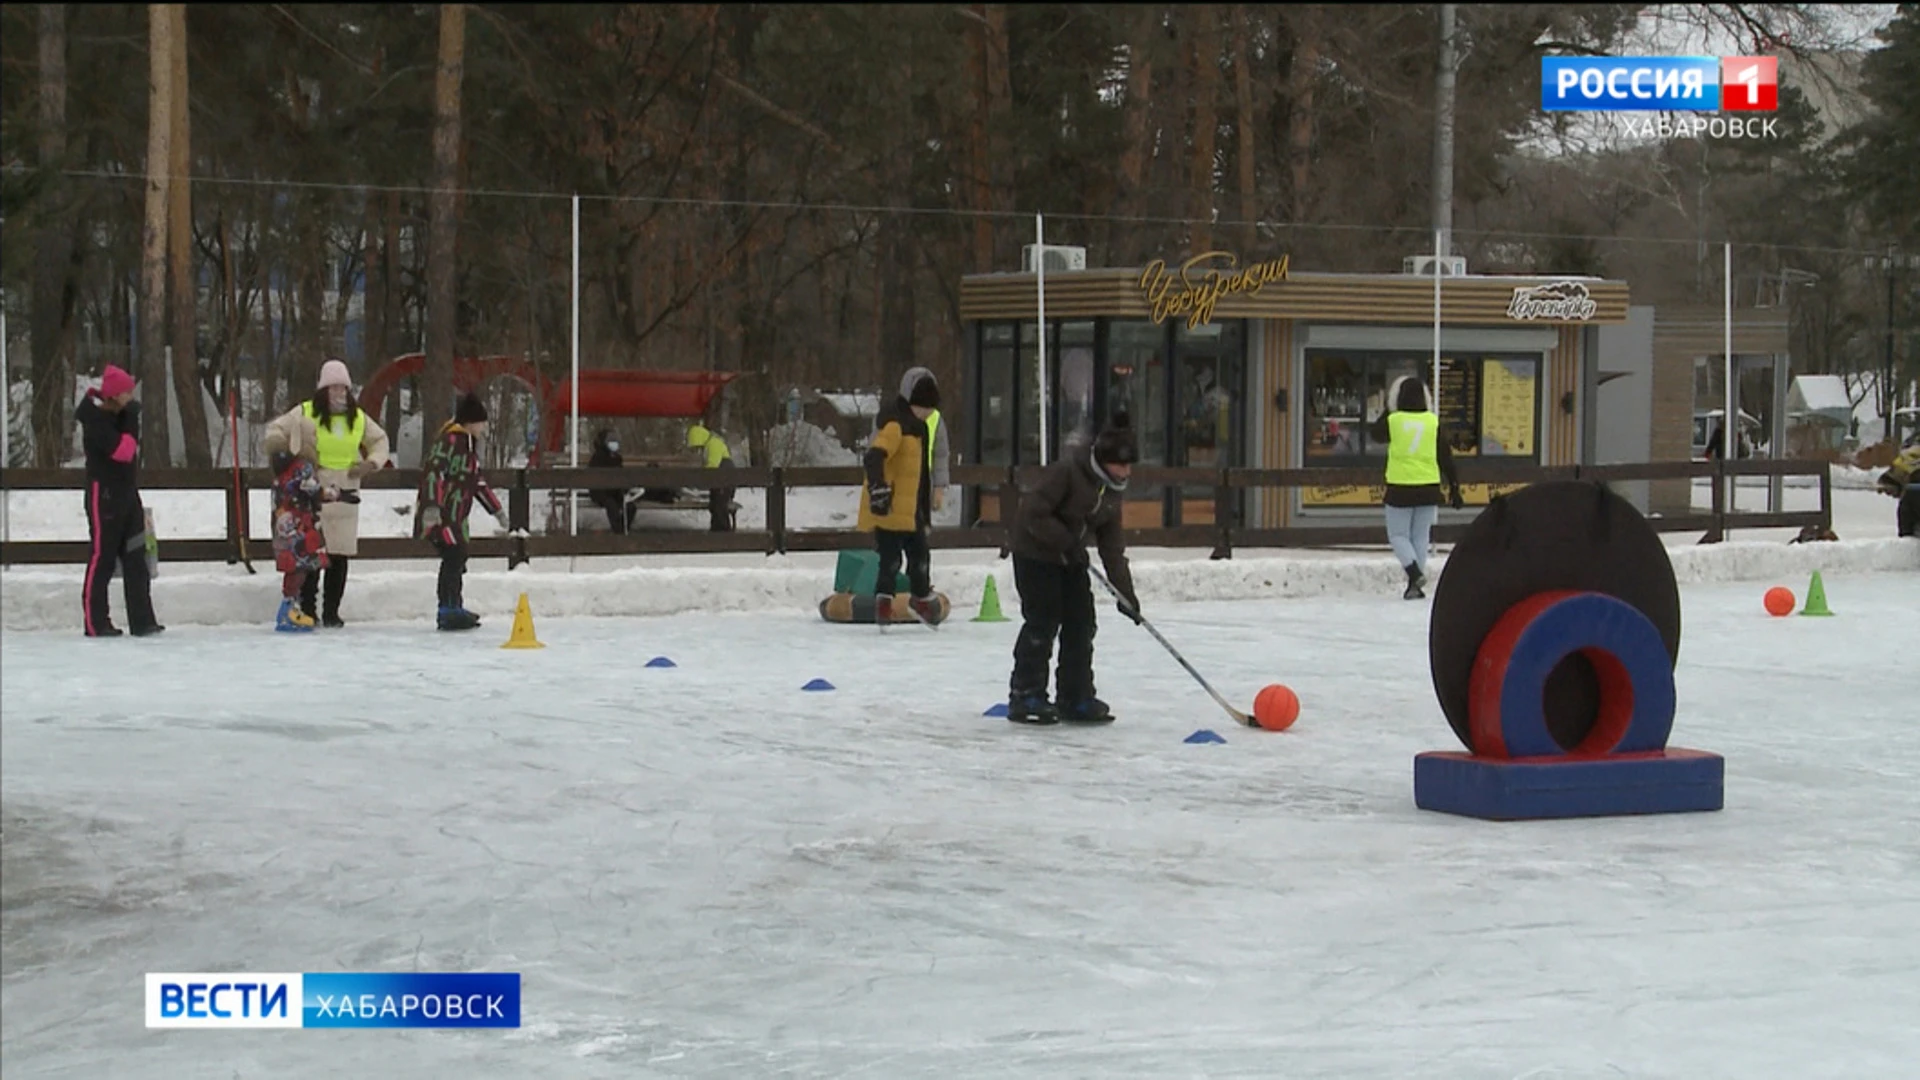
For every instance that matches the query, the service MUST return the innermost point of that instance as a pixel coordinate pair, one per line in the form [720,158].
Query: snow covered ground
[706,872]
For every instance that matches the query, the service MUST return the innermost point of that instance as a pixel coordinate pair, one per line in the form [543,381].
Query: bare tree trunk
[982,155]
[51,306]
[1243,125]
[154,436]
[1137,124]
[1300,78]
[443,225]
[373,291]
[185,291]
[1204,62]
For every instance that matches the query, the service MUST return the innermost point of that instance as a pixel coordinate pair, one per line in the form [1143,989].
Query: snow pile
[803,445]
[1791,564]
[48,598]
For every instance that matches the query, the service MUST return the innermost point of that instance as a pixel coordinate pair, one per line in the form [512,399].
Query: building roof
[1819,393]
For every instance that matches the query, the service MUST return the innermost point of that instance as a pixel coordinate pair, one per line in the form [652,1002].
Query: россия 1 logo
[1659,83]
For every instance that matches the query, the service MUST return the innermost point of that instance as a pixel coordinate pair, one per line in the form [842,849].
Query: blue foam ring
[661,661]
[818,684]
[1204,735]
[996,710]
[1628,655]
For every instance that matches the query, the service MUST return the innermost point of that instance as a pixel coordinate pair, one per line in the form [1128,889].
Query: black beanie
[1115,445]
[926,393]
[469,411]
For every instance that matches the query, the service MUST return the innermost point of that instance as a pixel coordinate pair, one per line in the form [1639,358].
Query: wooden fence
[1223,536]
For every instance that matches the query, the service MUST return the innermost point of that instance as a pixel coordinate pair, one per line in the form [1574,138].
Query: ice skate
[1031,709]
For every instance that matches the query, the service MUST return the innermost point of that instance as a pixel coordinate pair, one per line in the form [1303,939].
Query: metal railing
[1223,535]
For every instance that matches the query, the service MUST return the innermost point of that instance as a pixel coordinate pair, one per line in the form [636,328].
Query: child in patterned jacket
[454,481]
[298,547]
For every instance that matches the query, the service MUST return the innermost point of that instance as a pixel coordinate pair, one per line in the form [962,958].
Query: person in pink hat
[109,421]
[344,444]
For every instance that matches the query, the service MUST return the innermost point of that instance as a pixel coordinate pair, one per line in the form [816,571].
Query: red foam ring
[1490,671]
[1616,704]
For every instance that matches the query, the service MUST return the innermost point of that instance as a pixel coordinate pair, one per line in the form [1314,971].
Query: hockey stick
[239,488]
[1243,718]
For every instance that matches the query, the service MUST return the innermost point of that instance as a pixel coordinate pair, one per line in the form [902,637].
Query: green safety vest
[716,449]
[337,443]
[1413,451]
[933,425]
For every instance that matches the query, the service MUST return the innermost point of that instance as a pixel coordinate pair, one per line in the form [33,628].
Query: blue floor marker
[818,684]
[661,661]
[1204,735]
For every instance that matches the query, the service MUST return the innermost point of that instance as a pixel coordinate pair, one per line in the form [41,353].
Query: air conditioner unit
[1059,257]
[1422,265]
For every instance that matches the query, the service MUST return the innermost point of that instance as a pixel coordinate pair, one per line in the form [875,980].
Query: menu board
[1508,394]
[1460,404]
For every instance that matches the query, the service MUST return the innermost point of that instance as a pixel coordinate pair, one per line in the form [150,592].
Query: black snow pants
[335,576]
[1908,516]
[1055,601]
[912,546]
[453,575]
[117,527]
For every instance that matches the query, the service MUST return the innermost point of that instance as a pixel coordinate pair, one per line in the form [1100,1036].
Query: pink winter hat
[334,373]
[114,382]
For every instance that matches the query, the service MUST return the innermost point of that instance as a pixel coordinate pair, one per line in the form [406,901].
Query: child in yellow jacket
[895,504]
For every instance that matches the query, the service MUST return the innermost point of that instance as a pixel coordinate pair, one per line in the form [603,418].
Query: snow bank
[804,445]
[48,598]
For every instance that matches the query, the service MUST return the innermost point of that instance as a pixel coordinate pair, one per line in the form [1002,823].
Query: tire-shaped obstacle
[845,607]
[1558,537]
[1554,631]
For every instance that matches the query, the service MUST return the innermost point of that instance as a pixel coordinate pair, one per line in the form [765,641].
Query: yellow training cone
[522,637]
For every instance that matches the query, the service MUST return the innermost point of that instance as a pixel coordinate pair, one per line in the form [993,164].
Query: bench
[588,510]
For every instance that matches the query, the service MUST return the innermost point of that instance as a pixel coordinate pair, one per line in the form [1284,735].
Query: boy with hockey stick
[452,482]
[1077,497]
[895,505]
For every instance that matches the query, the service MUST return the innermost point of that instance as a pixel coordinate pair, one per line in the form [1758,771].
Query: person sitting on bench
[606,455]
[714,454]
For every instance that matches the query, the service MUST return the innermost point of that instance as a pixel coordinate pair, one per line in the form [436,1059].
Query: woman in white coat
[345,444]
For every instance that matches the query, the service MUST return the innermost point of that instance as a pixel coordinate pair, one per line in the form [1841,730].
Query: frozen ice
[707,872]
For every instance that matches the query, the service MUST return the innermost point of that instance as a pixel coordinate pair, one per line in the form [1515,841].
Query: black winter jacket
[101,430]
[1056,517]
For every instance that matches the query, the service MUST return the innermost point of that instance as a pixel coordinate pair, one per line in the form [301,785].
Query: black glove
[1458,502]
[880,500]
[1077,558]
[1130,608]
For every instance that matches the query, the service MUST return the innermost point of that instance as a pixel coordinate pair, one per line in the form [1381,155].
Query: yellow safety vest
[933,425]
[337,443]
[1413,450]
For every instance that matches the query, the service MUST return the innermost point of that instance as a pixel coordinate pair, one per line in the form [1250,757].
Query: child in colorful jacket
[452,482]
[298,547]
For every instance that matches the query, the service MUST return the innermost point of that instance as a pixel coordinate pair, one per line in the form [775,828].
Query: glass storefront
[1184,390]
[1489,407]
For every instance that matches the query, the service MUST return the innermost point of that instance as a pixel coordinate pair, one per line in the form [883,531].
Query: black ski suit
[1069,506]
[116,519]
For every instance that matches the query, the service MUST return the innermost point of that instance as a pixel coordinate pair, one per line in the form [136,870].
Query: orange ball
[1276,707]
[1779,600]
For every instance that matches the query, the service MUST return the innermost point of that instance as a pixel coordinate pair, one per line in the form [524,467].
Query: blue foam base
[660,661]
[1204,735]
[996,710]
[1495,789]
[818,684]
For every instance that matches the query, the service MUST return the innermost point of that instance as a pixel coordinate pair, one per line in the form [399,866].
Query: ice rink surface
[704,871]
